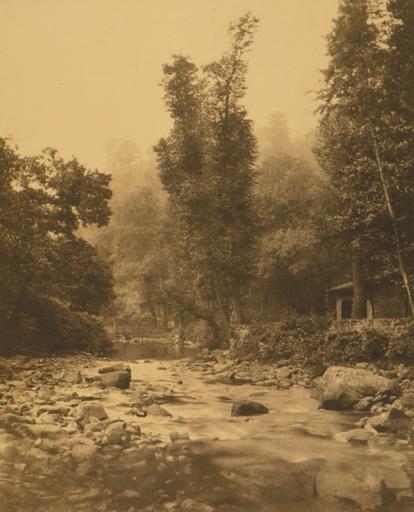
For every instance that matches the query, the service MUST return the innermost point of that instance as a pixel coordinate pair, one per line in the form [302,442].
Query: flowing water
[286,461]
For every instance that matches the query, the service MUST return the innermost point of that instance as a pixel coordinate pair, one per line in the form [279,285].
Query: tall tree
[359,137]
[206,166]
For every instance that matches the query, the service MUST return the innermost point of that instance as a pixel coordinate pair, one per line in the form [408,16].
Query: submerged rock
[157,410]
[248,408]
[356,435]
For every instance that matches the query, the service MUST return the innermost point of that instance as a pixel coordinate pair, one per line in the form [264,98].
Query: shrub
[200,333]
[317,342]
[401,343]
[347,345]
[46,325]
[289,338]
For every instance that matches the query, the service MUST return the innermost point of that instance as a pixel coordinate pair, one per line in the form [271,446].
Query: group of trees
[235,238]
[366,143]
[224,226]
[51,279]
[251,228]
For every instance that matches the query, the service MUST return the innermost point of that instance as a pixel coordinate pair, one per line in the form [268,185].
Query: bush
[286,339]
[347,345]
[317,342]
[46,325]
[200,333]
[401,343]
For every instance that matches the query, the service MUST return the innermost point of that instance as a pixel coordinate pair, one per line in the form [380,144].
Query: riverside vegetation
[233,242]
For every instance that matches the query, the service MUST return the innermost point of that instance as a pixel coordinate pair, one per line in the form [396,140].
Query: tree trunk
[390,208]
[241,317]
[358,299]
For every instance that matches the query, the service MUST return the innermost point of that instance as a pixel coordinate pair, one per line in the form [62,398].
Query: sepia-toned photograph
[207,256]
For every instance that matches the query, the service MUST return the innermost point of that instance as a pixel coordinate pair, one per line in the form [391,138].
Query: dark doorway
[346,309]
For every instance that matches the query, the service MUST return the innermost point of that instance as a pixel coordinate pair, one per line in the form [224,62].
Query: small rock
[356,435]
[114,368]
[88,410]
[116,433]
[78,378]
[179,436]
[45,431]
[190,505]
[248,408]
[130,493]
[382,441]
[393,420]
[83,452]
[157,410]
[8,450]
[364,405]
[9,419]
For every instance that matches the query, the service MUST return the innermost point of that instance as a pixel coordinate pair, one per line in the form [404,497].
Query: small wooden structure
[383,301]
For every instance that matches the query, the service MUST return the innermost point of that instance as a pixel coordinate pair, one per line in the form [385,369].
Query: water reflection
[152,349]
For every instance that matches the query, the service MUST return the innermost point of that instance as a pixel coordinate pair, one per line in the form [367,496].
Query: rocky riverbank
[62,449]
[86,434]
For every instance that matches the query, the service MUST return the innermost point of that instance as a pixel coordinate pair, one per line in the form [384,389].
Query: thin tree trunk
[390,208]
[358,298]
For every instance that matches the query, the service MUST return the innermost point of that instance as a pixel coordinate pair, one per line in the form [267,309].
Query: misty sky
[76,74]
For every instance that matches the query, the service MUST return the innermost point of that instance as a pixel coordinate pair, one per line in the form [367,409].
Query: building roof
[344,286]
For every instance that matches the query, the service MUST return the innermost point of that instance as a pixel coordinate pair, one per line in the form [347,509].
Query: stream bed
[168,442]
[286,460]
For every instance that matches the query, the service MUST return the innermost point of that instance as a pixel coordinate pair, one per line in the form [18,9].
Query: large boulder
[340,388]
[338,397]
[248,408]
[119,379]
[364,382]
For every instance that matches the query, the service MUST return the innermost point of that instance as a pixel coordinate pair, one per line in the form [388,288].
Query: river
[284,461]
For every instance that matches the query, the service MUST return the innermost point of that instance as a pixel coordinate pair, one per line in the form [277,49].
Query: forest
[223,223]
[222,322]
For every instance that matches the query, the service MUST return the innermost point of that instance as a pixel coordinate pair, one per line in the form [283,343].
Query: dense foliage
[43,202]
[317,342]
[206,167]
[366,133]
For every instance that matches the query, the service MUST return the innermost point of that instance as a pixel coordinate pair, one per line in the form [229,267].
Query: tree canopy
[44,201]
